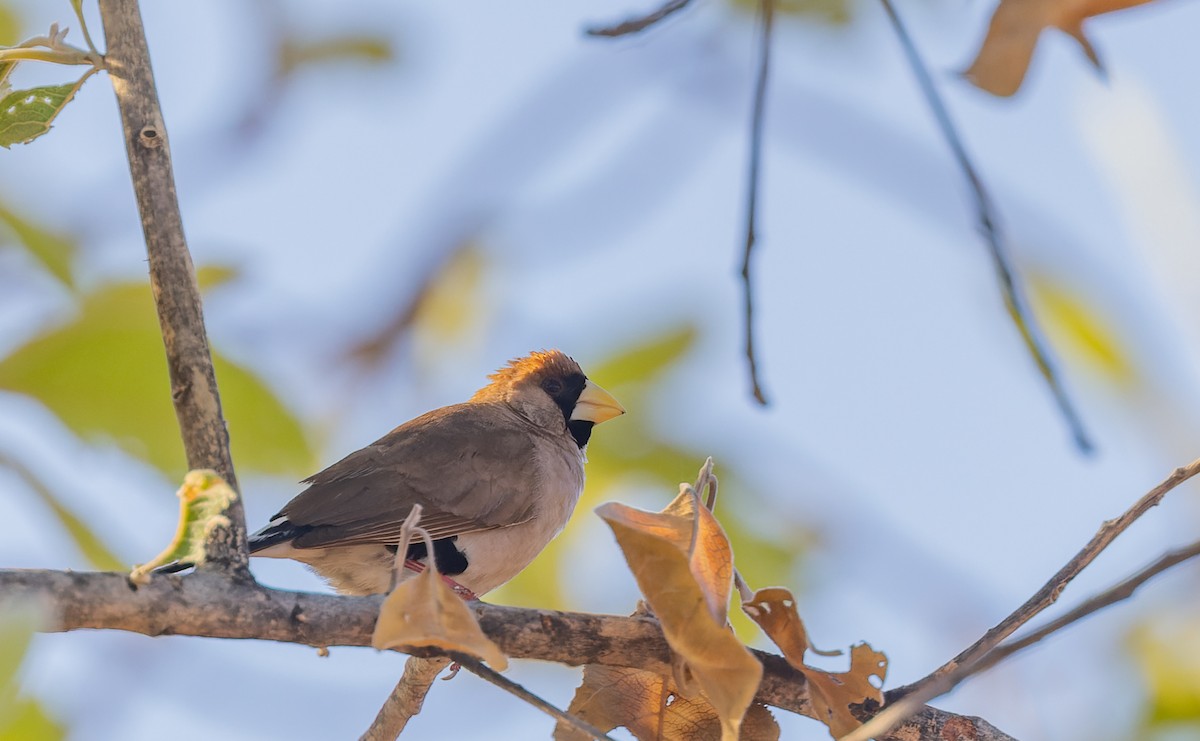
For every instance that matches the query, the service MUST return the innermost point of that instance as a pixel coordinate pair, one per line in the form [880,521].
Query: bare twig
[640,23]
[766,17]
[953,672]
[208,604]
[172,276]
[406,699]
[1014,299]
[1116,593]
[477,668]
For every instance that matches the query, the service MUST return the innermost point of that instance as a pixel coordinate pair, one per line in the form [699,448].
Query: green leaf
[359,48]
[54,251]
[203,499]
[6,69]
[104,374]
[92,547]
[27,114]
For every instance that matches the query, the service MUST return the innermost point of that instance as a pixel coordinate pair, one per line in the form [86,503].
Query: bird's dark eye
[552,386]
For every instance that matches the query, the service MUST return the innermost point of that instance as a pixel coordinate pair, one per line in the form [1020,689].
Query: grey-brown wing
[469,466]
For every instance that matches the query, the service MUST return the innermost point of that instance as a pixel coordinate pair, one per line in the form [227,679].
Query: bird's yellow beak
[596,405]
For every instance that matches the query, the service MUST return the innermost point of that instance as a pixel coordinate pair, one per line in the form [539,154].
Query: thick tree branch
[208,604]
[172,276]
[406,699]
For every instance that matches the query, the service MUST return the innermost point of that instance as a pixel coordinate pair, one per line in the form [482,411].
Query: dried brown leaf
[832,695]
[423,610]
[684,565]
[1012,37]
[774,609]
[650,707]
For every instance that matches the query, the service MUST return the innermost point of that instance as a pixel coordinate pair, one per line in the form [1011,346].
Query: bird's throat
[581,430]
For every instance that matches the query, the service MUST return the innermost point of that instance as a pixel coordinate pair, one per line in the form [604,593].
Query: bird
[497,478]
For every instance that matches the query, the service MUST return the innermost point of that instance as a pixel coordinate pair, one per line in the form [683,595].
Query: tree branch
[953,672]
[406,698]
[172,276]
[640,23]
[1014,298]
[208,604]
[1123,590]
[766,19]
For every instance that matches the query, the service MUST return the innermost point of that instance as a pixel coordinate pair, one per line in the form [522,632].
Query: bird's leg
[460,590]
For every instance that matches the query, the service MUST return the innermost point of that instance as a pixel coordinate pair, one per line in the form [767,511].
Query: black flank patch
[450,560]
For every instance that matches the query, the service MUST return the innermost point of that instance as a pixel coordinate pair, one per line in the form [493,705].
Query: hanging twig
[640,23]
[406,699]
[477,668]
[766,17]
[953,672]
[1014,299]
[172,275]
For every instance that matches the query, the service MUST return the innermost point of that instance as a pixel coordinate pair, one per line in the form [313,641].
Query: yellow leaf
[650,707]
[677,562]
[203,499]
[1079,328]
[1012,37]
[1168,654]
[832,695]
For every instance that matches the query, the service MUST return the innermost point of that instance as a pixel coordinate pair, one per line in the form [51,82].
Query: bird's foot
[460,590]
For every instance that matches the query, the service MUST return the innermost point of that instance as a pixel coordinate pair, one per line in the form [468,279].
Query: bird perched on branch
[497,478]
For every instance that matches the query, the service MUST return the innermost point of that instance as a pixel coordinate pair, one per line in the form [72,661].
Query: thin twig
[172,275]
[77,6]
[767,19]
[953,672]
[640,23]
[1014,299]
[1114,594]
[407,698]
[477,668]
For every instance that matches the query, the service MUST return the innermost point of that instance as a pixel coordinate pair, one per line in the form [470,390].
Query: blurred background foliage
[91,355]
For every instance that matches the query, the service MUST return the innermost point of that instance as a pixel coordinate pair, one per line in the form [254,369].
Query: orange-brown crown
[539,364]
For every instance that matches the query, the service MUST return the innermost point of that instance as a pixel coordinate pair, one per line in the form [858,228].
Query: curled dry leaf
[650,707]
[423,610]
[203,499]
[684,567]
[1012,37]
[832,695]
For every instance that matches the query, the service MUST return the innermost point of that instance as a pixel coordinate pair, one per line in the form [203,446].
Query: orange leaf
[650,707]
[1012,37]
[832,695]
[683,565]
[424,611]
